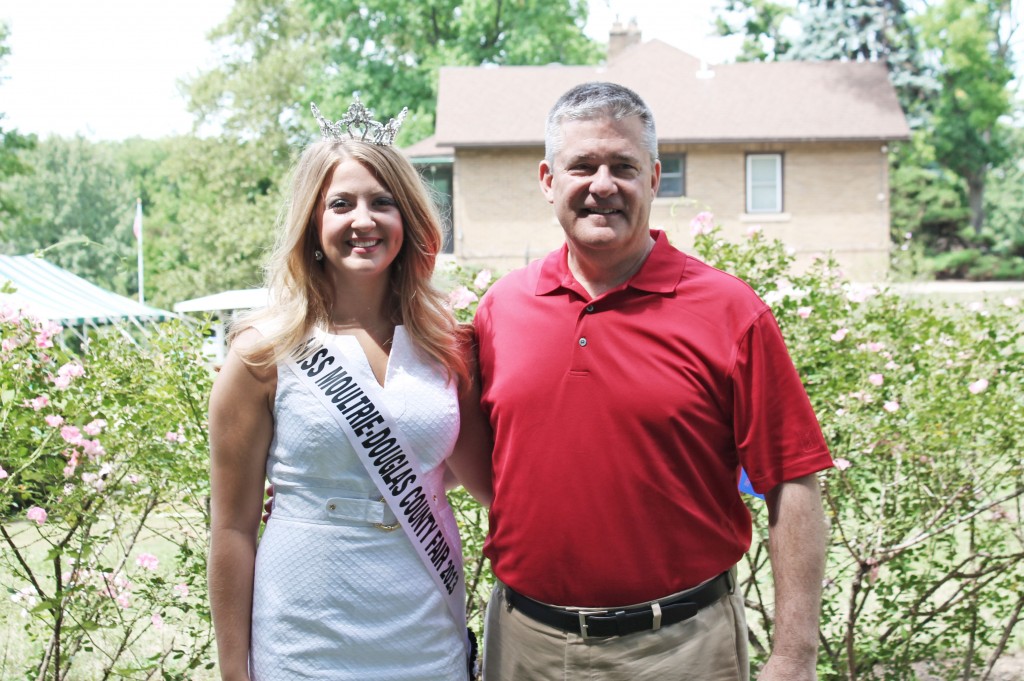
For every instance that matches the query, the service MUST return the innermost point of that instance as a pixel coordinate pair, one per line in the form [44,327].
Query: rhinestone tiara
[358,124]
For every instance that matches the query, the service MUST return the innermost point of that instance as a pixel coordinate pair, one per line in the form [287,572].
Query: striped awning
[49,292]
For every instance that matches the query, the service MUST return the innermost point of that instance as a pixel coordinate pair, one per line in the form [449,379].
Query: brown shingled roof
[784,101]
[427,148]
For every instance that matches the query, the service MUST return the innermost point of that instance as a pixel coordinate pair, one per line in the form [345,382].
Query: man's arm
[796,537]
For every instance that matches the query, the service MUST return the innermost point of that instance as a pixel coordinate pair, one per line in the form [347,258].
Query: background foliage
[211,200]
[103,483]
[920,405]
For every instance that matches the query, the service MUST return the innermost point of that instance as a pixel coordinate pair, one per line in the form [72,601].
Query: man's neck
[599,272]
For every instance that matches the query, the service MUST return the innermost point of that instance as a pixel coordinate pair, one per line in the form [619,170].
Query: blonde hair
[299,290]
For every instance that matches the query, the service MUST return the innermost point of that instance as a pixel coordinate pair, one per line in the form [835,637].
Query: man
[626,384]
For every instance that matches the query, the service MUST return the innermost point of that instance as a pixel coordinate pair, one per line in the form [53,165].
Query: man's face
[601,183]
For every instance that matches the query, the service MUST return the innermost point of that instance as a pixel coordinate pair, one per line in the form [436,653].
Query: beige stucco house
[798,149]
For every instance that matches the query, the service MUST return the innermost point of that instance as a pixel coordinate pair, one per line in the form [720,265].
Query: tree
[760,23]
[78,207]
[214,204]
[975,65]
[11,144]
[280,54]
[270,52]
[840,30]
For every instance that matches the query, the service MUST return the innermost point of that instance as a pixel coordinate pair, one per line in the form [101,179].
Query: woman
[337,589]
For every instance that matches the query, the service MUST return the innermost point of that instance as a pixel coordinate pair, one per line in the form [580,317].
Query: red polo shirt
[621,422]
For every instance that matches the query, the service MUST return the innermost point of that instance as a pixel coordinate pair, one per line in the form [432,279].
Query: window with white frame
[764,183]
[673,174]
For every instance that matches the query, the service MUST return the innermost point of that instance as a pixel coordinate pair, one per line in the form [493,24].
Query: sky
[109,69]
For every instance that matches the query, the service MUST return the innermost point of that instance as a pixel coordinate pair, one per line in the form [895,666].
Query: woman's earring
[318,255]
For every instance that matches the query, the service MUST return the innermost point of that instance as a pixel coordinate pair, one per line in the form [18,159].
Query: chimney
[621,38]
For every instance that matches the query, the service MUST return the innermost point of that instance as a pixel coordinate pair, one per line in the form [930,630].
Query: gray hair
[598,100]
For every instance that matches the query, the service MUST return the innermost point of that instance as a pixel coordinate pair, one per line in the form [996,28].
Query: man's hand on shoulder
[782,668]
[268,505]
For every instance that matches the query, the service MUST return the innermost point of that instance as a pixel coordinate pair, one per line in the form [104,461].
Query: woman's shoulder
[240,363]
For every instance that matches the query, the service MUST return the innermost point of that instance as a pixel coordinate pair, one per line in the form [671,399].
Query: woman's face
[359,226]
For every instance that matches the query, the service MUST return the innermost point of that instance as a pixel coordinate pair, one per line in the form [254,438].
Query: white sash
[416,499]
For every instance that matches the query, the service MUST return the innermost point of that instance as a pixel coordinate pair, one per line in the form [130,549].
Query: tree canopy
[281,54]
[11,143]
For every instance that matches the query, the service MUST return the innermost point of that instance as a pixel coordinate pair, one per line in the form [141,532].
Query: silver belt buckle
[583,620]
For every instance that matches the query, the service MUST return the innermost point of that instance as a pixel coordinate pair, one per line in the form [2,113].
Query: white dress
[336,597]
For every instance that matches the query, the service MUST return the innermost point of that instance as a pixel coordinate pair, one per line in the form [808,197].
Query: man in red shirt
[626,384]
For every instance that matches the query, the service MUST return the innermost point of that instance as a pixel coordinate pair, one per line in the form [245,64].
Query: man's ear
[655,178]
[545,178]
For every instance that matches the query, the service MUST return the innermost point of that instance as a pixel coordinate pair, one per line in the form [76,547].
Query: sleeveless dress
[335,596]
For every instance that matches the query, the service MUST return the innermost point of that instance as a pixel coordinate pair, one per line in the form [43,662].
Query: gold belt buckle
[382,526]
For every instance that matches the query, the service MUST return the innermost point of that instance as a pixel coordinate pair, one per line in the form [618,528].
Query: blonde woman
[354,576]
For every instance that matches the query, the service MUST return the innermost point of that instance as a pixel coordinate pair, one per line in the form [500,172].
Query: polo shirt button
[583,342]
[590,308]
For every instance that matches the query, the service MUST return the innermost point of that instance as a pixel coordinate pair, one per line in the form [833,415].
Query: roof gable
[784,101]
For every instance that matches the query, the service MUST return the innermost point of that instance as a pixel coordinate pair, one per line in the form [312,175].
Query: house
[799,149]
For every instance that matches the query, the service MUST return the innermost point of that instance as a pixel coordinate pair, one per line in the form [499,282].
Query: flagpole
[138,235]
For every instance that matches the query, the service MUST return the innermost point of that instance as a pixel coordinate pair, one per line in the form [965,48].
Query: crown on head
[358,124]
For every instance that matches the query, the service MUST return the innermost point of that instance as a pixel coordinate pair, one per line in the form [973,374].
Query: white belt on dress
[332,506]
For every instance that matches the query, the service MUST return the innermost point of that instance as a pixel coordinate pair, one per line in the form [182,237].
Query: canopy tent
[225,301]
[222,308]
[49,292]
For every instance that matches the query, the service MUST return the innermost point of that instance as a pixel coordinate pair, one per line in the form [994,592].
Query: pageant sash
[417,500]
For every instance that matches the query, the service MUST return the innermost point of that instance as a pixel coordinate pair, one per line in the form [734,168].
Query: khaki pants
[711,646]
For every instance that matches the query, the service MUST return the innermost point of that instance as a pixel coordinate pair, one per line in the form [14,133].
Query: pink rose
[978,386]
[891,406]
[483,278]
[461,298]
[71,370]
[54,420]
[71,434]
[702,223]
[148,561]
[36,514]
[92,448]
[876,379]
[38,403]
[95,427]
[9,313]
[804,312]
[842,464]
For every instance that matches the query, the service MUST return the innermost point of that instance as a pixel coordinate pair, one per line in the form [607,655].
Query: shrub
[922,407]
[103,501]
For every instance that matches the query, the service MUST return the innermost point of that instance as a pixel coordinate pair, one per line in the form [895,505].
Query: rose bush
[103,455]
[923,408]
[103,481]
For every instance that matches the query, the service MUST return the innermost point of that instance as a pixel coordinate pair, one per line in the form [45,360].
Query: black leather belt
[594,622]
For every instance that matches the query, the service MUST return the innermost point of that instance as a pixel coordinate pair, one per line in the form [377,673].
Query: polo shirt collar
[660,273]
